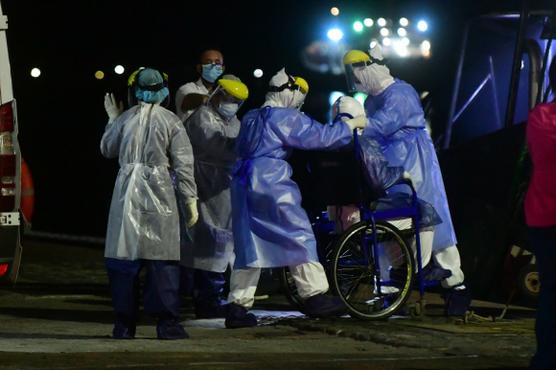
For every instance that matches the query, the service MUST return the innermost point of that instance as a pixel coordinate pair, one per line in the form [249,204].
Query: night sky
[61,114]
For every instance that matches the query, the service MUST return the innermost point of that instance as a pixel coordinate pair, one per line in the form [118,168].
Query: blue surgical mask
[152,96]
[228,110]
[211,72]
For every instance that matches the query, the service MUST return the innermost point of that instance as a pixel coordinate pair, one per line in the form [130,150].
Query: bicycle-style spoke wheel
[374,280]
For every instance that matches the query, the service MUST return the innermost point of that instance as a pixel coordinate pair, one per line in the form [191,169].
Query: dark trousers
[206,287]
[543,243]
[160,293]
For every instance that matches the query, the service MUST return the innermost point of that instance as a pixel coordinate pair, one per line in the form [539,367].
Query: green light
[360,97]
[357,26]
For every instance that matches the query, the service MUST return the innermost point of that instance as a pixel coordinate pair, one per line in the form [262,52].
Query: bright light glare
[373,44]
[368,22]
[35,72]
[404,22]
[119,69]
[386,41]
[381,22]
[422,26]
[335,11]
[402,32]
[335,34]
[258,73]
[401,49]
[426,48]
[357,26]
[405,41]
[334,95]
[99,75]
[384,32]
[360,97]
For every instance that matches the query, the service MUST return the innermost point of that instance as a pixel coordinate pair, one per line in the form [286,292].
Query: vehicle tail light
[7,159]
[4,269]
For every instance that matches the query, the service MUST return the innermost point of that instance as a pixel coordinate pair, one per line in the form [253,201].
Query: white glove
[191,213]
[357,122]
[112,108]
[347,104]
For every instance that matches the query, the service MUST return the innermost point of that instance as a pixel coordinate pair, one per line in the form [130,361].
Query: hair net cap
[376,52]
[149,77]
[280,78]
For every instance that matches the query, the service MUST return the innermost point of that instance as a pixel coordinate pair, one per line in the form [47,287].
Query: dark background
[61,114]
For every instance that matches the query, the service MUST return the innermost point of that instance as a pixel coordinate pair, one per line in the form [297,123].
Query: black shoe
[238,317]
[431,272]
[457,302]
[170,329]
[217,311]
[123,331]
[322,305]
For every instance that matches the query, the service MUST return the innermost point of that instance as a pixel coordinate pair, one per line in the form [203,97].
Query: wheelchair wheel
[372,280]
[290,289]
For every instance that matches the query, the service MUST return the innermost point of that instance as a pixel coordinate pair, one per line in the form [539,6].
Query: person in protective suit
[270,227]
[380,177]
[143,225]
[397,123]
[213,130]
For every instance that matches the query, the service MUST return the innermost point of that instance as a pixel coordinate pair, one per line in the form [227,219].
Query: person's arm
[299,131]
[181,161]
[204,129]
[112,137]
[390,118]
[193,101]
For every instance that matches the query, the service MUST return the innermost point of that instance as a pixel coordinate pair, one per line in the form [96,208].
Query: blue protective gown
[270,228]
[381,177]
[396,121]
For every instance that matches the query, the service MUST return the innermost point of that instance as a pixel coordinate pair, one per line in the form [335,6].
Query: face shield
[227,98]
[354,73]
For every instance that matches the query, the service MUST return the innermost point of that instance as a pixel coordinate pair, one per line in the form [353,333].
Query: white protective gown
[149,141]
[213,140]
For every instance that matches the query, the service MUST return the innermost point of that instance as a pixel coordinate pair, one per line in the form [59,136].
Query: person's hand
[406,175]
[112,108]
[357,122]
[191,213]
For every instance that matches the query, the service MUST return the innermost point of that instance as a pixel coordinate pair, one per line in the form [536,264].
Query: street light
[357,26]
[119,69]
[422,25]
[35,72]
[335,34]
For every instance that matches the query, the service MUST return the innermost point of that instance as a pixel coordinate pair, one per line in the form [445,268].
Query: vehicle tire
[528,283]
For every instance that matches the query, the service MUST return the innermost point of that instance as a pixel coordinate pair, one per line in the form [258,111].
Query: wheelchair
[370,265]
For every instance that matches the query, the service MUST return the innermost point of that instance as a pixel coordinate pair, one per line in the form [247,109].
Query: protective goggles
[290,85]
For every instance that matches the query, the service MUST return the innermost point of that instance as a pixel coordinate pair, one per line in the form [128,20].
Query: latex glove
[191,213]
[357,122]
[112,108]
